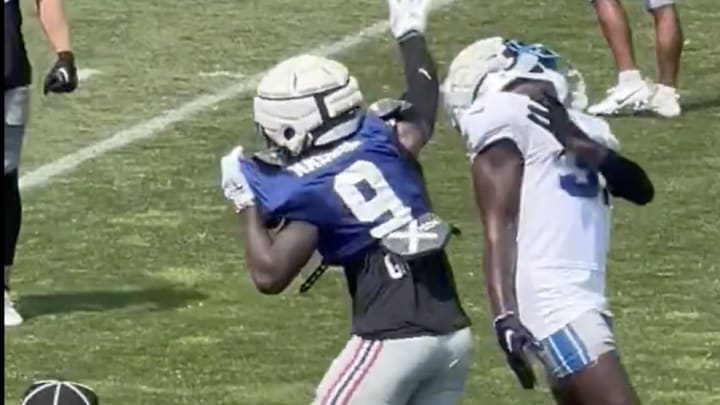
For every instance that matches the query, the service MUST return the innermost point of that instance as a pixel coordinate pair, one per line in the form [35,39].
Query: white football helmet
[491,64]
[307,101]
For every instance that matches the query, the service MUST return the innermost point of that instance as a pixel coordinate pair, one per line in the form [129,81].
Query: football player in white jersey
[543,173]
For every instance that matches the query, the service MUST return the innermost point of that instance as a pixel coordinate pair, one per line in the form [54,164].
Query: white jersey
[563,228]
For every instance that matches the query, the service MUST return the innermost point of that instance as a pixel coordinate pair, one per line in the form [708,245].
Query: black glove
[515,340]
[62,77]
[553,117]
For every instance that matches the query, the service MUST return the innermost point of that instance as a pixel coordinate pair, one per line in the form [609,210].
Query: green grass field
[130,269]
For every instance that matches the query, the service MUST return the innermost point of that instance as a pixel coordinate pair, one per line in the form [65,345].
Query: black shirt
[395,299]
[17,66]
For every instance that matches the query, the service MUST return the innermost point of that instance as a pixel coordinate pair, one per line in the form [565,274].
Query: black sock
[13,214]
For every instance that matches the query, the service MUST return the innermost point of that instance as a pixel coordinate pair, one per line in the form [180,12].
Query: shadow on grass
[702,104]
[153,299]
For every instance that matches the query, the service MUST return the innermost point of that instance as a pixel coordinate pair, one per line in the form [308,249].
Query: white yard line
[150,128]
[84,74]
[222,73]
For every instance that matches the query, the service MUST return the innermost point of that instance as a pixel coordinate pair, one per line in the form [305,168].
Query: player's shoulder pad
[391,110]
[596,128]
[493,117]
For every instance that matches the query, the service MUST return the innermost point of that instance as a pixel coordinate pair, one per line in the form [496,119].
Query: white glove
[408,15]
[234,184]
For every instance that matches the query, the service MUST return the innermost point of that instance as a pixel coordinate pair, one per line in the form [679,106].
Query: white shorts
[578,345]
[654,4]
[16,114]
[425,370]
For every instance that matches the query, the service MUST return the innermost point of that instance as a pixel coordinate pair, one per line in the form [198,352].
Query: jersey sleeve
[269,198]
[494,118]
[279,195]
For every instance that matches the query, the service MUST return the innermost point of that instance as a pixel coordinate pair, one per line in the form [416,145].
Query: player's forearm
[275,261]
[625,178]
[258,251]
[421,79]
[54,24]
[500,274]
[497,174]
[272,263]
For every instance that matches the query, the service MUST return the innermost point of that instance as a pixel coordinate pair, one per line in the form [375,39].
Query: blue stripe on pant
[567,352]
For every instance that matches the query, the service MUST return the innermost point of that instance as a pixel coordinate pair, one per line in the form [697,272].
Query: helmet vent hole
[288,132]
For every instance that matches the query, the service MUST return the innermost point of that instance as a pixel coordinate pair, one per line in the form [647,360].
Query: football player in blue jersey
[345,181]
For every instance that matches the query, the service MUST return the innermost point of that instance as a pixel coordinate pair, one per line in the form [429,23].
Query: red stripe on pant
[344,398]
[345,369]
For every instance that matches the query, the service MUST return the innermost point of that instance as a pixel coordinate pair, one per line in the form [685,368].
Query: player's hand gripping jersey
[368,201]
[564,211]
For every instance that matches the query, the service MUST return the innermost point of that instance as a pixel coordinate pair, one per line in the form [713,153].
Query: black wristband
[66,57]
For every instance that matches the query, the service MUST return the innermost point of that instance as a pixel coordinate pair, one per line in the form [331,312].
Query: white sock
[629,76]
[665,90]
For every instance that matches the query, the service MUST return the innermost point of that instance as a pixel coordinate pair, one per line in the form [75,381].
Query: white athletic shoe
[634,95]
[12,317]
[665,101]
[408,15]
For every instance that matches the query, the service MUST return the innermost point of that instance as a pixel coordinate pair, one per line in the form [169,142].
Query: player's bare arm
[497,173]
[625,178]
[275,261]
[62,77]
[54,24]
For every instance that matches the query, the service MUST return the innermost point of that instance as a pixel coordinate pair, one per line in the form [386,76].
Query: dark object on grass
[54,392]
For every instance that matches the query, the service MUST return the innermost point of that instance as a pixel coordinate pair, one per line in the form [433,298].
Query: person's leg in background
[16,104]
[13,212]
[668,49]
[616,28]
[631,90]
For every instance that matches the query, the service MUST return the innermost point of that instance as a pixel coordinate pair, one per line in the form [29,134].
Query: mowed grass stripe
[153,126]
